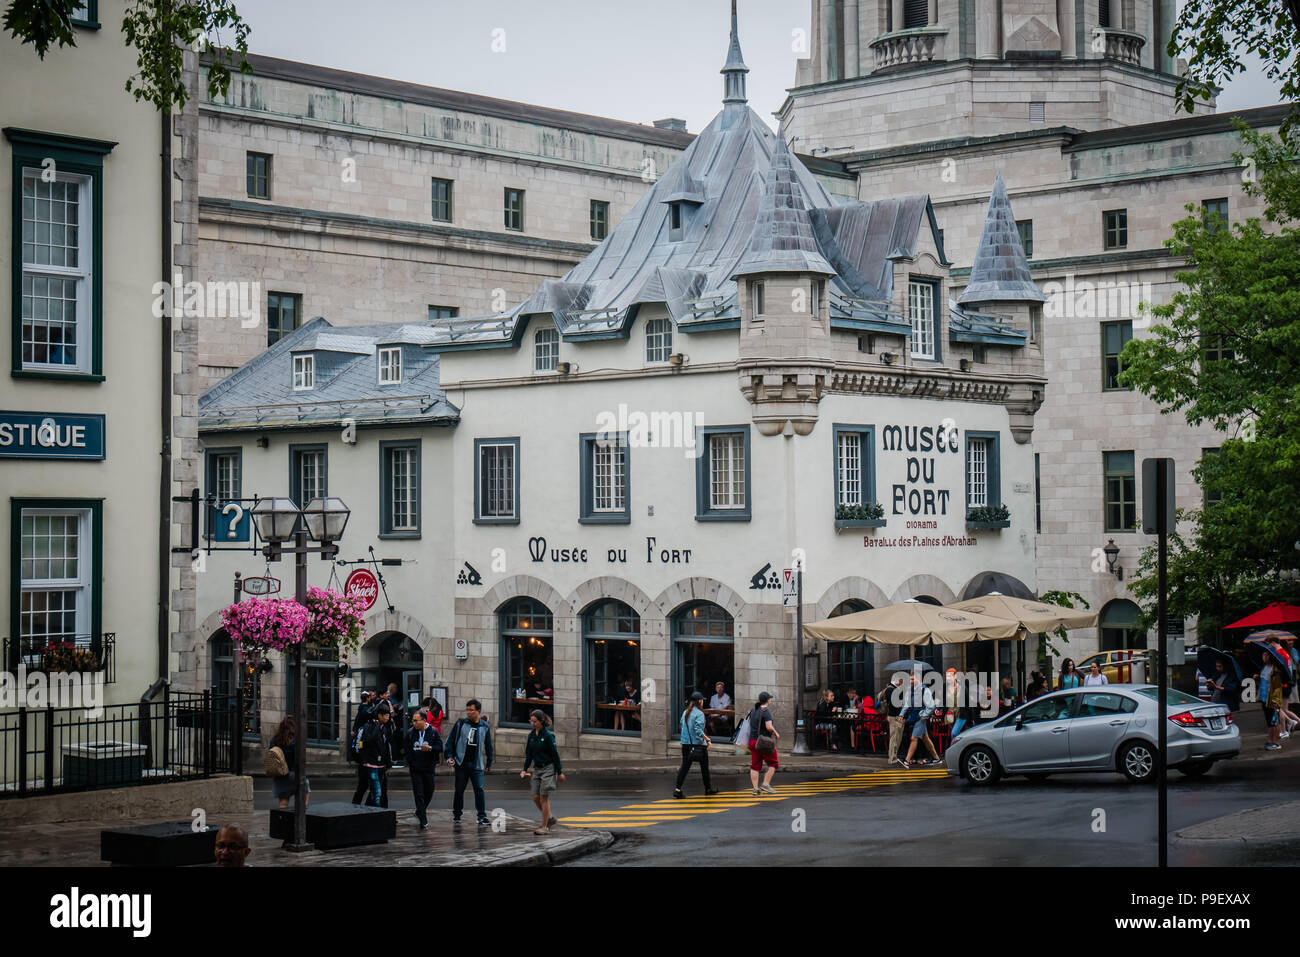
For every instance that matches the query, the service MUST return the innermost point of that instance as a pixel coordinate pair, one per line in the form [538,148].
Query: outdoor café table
[841,718]
[620,712]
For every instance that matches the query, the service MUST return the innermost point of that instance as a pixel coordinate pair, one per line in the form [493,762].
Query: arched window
[611,633]
[850,664]
[1118,624]
[527,660]
[222,652]
[703,658]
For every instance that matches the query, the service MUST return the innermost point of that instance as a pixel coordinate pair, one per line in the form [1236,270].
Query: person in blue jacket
[469,748]
[695,744]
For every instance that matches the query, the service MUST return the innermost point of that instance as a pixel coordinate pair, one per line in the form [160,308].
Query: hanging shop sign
[261,586]
[363,587]
[51,435]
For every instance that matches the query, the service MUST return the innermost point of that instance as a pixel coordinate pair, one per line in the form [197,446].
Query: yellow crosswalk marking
[683,809]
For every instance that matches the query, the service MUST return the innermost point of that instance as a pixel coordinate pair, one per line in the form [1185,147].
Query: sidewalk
[442,845]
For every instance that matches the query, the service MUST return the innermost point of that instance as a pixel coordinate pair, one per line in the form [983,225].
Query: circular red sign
[362,587]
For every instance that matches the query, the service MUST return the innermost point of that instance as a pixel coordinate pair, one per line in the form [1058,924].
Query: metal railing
[76,654]
[179,736]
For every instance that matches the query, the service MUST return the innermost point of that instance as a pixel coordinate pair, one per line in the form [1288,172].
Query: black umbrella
[1206,658]
[1260,651]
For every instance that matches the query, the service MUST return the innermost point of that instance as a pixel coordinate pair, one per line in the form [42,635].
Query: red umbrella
[1276,613]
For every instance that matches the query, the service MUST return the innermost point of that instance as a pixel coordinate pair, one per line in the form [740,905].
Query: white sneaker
[1285,734]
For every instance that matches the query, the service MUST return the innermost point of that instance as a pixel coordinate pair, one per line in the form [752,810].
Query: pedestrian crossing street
[674,809]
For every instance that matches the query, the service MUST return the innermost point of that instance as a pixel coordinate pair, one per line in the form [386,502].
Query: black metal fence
[180,736]
[76,654]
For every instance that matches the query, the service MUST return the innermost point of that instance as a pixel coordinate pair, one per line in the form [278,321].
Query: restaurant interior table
[621,712]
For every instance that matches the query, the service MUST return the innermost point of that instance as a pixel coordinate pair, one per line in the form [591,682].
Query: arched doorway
[703,656]
[611,638]
[400,662]
[225,683]
[1118,624]
[851,664]
[527,660]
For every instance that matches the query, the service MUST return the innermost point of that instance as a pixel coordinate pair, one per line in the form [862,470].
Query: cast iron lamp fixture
[278,520]
[966,365]
[1112,555]
[888,358]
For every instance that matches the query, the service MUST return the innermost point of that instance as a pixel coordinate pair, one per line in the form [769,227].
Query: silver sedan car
[1104,728]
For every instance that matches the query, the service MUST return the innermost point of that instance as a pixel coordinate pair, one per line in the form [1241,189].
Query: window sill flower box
[988,517]
[860,516]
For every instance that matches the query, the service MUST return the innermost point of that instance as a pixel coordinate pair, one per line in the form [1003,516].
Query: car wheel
[980,766]
[1138,762]
[1195,769]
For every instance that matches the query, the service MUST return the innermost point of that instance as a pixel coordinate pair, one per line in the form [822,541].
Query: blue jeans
[376,795]
[467,775]
[957,726]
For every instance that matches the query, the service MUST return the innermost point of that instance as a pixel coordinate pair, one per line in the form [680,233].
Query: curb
[1279,843]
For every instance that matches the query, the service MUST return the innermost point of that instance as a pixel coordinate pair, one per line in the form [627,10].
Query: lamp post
[278,520]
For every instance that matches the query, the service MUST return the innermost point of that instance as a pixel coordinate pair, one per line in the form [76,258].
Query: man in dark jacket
[365,715]
[377,754]
[469,748]
[423,747]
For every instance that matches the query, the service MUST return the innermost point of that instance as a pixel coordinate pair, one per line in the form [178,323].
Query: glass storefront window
[527,659]
[612,676]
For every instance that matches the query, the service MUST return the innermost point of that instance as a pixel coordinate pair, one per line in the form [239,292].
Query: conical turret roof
[1000,271]
[782,239]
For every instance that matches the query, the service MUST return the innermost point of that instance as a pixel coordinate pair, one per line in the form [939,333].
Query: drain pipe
[165,419]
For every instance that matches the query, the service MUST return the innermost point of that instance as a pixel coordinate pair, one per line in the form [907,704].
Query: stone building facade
[1097,172]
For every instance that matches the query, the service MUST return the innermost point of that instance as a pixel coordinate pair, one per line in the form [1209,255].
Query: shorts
[286,787]
[757,759]
[919,730]
[542,781]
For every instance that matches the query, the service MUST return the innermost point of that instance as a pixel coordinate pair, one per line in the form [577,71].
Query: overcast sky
[637,60]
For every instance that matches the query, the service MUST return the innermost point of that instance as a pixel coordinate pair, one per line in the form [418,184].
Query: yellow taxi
[1122,666]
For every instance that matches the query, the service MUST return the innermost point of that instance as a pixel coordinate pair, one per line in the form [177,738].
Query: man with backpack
[469,748]
[377,755]
[889,704]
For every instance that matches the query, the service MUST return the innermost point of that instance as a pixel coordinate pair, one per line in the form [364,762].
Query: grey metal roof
[260,394]
[969,325]
[1000,272]
[782,238]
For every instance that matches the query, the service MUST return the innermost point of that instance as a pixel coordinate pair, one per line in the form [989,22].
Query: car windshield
[1171,696]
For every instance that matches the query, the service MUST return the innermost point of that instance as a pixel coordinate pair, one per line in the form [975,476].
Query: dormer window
[546,350]
[757,303]
[390,366]
[304,373]
[675,219]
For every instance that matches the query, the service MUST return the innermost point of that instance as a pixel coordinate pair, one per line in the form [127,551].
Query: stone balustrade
[903,47]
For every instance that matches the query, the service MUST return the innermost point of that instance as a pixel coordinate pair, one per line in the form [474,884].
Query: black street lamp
[278,520]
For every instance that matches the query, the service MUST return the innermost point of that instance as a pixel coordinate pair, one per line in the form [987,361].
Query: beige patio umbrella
[1031,615]
[911,623]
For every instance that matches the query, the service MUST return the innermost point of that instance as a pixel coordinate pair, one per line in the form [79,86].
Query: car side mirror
[1020,721]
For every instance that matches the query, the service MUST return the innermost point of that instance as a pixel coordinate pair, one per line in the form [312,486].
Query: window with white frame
[497,491]
[304,373]
[658,340]
[849,453]
[608,476]
[977,473]
[55,598]
[727,471]
[309,477]
[400,467]
[390,366]
[546,350]
[56,271]
[920,310]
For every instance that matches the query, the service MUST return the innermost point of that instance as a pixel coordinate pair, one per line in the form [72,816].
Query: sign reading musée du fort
[51,435]
[919,494]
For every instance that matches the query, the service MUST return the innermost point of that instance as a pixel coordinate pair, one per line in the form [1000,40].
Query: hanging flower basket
[265,624]
[335,620]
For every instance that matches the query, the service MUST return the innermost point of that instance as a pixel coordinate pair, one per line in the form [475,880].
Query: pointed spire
[1000,271]
[782,239]
[734,70]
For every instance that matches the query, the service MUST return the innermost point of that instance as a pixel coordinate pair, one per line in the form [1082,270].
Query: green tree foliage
[158,30]
[1226,351]
[1215,35]
[1067,599]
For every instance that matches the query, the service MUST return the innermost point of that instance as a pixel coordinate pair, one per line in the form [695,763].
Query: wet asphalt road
[941,821]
